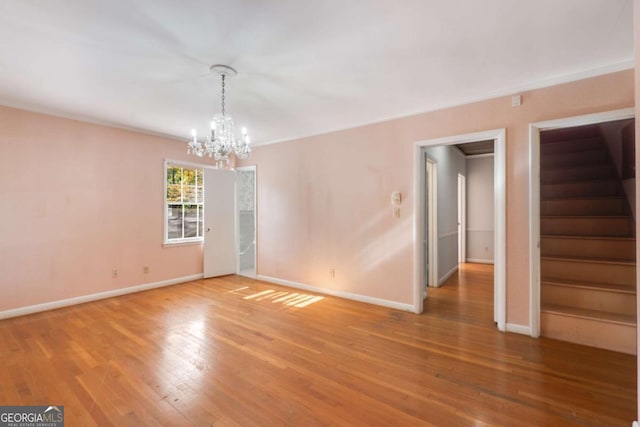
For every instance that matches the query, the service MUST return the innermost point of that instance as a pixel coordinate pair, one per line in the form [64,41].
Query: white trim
[556,80]
[22,311]
[534,196]
[449,234]
[518,329]
[478,156]
[175,162]
[183,242]
[448,275]
[337,293]
[462,218]
[480,261]
[431,211]
[500,137]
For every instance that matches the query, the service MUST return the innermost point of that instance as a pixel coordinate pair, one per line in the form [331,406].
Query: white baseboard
[449,274]
[22,311]
[518,329]
[480,260]
[341,294]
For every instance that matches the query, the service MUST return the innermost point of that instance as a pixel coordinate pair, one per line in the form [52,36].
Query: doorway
[421,250]
[535,130]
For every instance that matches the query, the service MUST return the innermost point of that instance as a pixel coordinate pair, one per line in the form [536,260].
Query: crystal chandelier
[221,143]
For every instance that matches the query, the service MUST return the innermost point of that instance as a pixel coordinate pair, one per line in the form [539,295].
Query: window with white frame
[184,203]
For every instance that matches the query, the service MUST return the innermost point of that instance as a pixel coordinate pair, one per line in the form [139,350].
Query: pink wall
[323,201]
[77,201]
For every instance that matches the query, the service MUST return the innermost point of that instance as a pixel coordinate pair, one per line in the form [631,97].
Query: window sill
[171,244]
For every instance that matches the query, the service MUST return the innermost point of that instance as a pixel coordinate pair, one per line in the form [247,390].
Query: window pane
[190,221]
[199,177]
[173,193]
[199,194]
[200,220]
[189,193]
[174,222]
[189,176]
[174,175]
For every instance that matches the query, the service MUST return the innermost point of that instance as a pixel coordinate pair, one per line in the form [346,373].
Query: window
[184,204]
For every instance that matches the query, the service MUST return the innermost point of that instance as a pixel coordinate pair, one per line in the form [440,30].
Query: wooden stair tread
[623,289]
[590,260]
[586,216]
[603,316]
[573,237]
[583,181]
[596,198]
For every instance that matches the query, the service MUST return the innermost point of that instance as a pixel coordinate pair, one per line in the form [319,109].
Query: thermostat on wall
[396,198]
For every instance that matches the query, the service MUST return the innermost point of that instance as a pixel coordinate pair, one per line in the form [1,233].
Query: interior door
[219,223]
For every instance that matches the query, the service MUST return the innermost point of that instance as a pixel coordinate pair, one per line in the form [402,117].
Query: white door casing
[534,196]
[499,137]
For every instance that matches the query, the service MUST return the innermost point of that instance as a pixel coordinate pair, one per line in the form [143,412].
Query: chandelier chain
[223,95]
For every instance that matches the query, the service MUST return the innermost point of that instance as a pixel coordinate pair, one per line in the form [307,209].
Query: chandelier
[221,143]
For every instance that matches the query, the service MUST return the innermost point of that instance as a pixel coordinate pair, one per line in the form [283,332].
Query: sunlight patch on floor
[289,299]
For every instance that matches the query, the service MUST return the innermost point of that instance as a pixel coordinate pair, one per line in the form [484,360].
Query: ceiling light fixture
[221,144]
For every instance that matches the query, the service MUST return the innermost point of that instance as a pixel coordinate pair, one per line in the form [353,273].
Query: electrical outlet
[145,269]
[114,273]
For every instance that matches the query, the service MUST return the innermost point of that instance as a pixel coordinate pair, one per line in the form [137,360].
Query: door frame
[462,219]
[499,137]
[431,210]
[255,221]
[534,195]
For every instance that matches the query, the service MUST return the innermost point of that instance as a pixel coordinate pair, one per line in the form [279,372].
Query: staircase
[588,269]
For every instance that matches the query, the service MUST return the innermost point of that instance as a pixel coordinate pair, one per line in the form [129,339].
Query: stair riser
[580,189]
[621,338]
[592,248]
[582,207]
[571,146]
[592,299]
[556,176]
[576,226]
[619,274]
[573,159]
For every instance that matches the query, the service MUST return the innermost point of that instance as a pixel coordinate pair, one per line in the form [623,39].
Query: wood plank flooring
[228,352]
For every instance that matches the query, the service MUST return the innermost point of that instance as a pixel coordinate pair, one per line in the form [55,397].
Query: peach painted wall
[323,201]
[78,200]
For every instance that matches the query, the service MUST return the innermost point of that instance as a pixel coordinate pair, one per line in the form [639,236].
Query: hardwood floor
[228,352]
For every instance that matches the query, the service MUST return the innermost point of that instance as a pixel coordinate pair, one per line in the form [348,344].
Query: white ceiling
[306,66]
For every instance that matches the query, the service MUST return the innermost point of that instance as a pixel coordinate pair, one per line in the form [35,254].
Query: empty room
[304,213]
